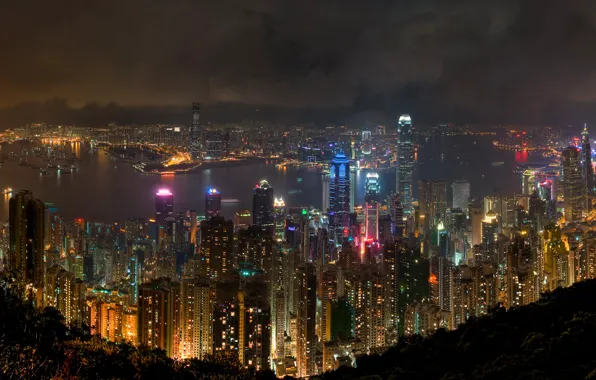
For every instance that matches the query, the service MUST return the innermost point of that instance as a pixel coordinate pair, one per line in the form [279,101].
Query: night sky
[528,61]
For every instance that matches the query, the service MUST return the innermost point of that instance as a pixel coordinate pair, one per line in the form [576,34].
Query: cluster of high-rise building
[301,290]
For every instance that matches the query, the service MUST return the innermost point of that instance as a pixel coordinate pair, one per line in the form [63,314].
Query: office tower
[461,195]
[197,295]
[26,239]
[306,304]
[573,187]
[339,198]
[254,325]
[164,205]
[325,203]
[262,205]
[212,203]
[156,315]
[405,161]
[372,188]
[195,132]
[164,212]
[217,247]
[214,146]
[279,207]
[587,169]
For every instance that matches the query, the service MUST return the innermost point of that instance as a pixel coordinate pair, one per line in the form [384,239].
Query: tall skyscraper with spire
[587,170]
[195,132]
[405,161]
[339,197]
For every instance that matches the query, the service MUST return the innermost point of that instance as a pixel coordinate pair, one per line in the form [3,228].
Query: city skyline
[285,189]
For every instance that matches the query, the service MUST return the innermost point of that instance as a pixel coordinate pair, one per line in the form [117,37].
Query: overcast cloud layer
[489,60]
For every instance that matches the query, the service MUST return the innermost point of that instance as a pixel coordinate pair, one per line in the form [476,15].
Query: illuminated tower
[372,187]
[212,203]
[405,161]
[195,132]
[572,184]
[339,198]
[587,170]
[26,239]
[262,205]
[280,218]
[164,209]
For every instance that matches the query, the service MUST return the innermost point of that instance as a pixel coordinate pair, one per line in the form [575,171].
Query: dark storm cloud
[456,59]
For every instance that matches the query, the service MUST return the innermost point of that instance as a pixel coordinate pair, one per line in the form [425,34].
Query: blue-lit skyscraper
[339,197]
[195,132]
[405,161]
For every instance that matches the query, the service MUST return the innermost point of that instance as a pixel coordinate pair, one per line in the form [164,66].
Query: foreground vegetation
[37,345]
[554,338]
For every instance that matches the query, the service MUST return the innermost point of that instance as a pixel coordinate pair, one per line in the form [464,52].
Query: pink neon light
[163,192]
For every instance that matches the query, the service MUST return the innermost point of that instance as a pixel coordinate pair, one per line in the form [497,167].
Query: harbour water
[104,189]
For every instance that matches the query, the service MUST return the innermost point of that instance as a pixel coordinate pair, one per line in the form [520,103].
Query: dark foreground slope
[37,345]
[554,338]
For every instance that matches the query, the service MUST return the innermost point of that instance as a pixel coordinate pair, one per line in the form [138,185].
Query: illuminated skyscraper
[280,218]
[195,132]
[164,205]
[587,170]
[212,203]
[372,187]
[461,195]
[573,189]
[198,295]
[164,213]
[405,161]
[26,239]
[262,205]
[339,198]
